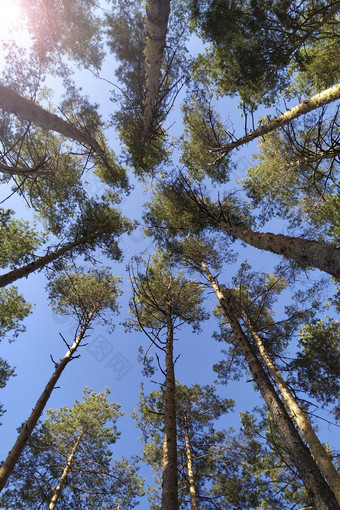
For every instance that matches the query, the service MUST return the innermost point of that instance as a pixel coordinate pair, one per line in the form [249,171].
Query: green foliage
[13,309]
[159,292]
[78,293]
[18,240]
[5,373]
[318,360]
[297,172]
[254,42]
[95,480]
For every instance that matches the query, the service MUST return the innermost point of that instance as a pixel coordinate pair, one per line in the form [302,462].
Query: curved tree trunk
[58,489]
[325,97]
[321,456]
[157,15]
[170,478]
[320,494]
[305,252]
[190,467]
[14,455]
[24,271]
[12,102]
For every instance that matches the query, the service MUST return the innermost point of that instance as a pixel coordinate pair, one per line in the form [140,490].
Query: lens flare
[10,20]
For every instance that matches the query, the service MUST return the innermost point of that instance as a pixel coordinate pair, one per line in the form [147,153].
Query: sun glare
[11,26]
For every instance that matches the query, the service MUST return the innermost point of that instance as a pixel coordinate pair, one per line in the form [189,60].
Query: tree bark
[323,98]
[12,102]
[319,453]
[157,15]
[320,494]
[14,455]
[24,271]
[190,468]
[170,478]
[305,252]
[58,489]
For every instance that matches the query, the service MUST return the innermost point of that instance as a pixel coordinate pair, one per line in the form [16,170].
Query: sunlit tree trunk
[321,456]
[157,15]
[323,98]
[24,271]
[12,102]
[190,467]
[320,494]
[58,489]
[305,252]
[14,455]
[170,478]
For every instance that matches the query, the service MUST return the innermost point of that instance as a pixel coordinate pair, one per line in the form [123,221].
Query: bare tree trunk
[157,15]
[305,252]
[58,489]
[24,271]
[190,468]
[12,102]
[321,456]
[170,478]
[320,494]
[325,97]
[14,455]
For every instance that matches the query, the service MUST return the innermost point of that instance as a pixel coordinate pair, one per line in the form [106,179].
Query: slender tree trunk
[320,494]
[12,102]
[190,468]
[157,15]
[305,252]
[14,455]
[58,489]
[325,97]
[321,456]
[170,478]
[24,271]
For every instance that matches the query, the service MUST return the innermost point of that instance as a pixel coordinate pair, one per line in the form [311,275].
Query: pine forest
[170,254]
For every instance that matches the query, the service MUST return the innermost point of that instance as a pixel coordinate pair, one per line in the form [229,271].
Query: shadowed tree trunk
[305,252]
[320,494]
[24,271]
[170,478]
[58,489]
[14,455]
[321,456]
[12,102]
[157,15]
[325,97]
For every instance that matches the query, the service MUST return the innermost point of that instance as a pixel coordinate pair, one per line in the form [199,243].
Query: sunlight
[11,26]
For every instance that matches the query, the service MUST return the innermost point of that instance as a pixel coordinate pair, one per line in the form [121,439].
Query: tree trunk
[12,102]
[191,475]
[325,97]
[319,453]
[58,489]
[24,271]
[157,15]
[321,496]
[14,455]
[305,252]
[170,478]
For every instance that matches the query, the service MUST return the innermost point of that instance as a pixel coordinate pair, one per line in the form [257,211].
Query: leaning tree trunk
[305,252]
[190,467]
[157,15]
[12,102]
[14,455]
[320,494]
[325,97]
[319,453]
[24,271]
[170,478]
[58,489]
